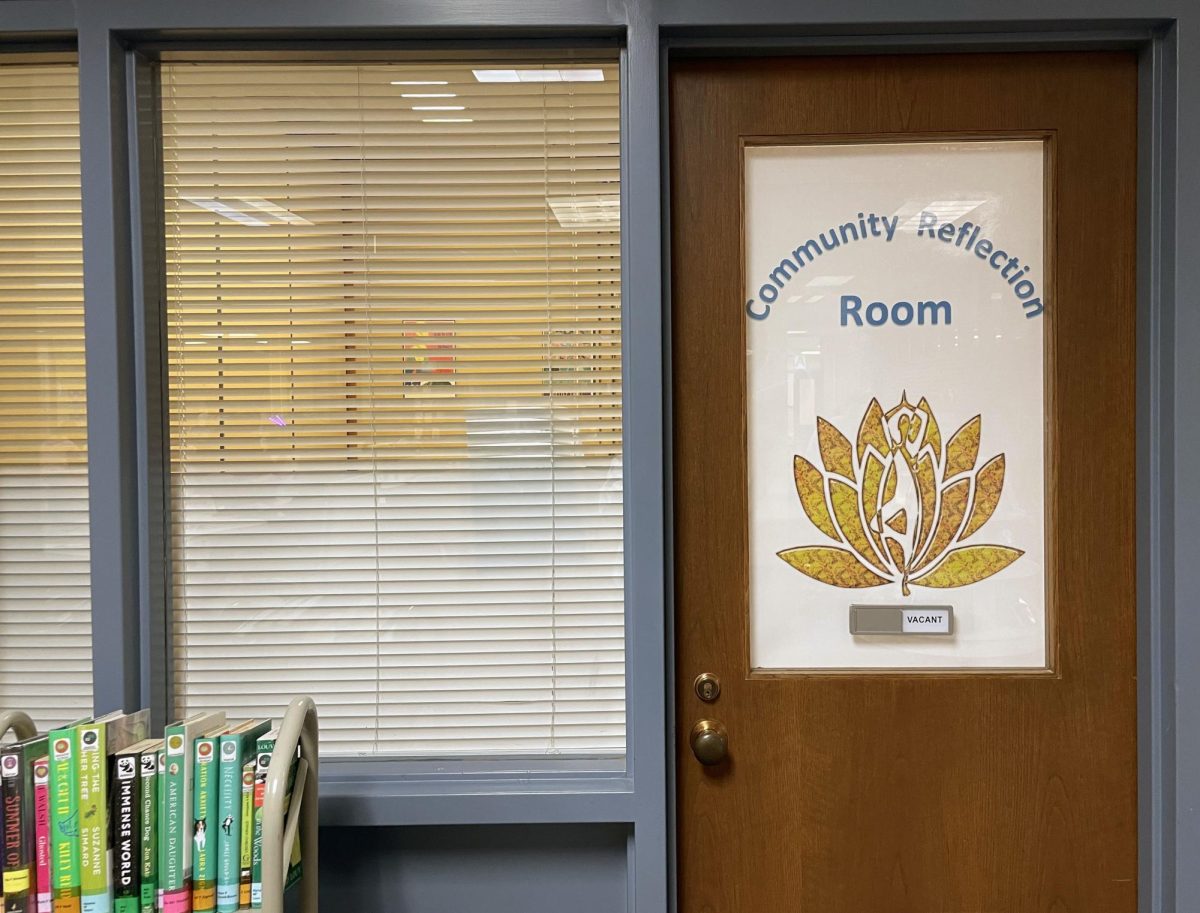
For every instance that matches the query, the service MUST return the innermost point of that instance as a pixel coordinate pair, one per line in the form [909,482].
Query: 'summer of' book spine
[204,856]
[246,861]
[64,821]
[148,842]
[16,789]
[41,828]
[14,865]
[92,761]
[126,816]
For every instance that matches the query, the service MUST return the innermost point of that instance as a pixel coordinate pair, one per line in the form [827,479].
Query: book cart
[298,729]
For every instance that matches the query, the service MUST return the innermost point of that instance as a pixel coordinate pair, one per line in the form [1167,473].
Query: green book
[98,742]
[265,752]
[236,746]
[175,817]
[64,818]
[148,840]
[126,818]
[205,784]
[245,869]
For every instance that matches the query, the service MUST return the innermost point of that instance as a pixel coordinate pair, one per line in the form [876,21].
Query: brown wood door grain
[928,792]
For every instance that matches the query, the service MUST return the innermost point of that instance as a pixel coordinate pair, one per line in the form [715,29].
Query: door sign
[895,315]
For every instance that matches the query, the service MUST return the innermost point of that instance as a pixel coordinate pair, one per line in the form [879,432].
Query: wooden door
[891,791]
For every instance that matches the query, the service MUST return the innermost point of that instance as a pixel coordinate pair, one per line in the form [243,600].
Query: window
[45,610]
[393,306]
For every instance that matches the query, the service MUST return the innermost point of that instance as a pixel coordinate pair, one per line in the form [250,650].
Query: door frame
[1159,214]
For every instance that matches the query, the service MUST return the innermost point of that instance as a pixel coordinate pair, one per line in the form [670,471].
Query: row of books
[99,818]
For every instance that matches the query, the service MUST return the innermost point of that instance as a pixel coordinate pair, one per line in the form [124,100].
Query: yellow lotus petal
[899,521]
[889,484]
[810,486]
[950,518]
[834,566]
[933,434]
[897,553]
[926,480]
[989,483]
[872,432]
[849,521]
[969,564]
[836,452]
[872,478]
[963,449]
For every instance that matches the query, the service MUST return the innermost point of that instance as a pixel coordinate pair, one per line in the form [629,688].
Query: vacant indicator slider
[899,619]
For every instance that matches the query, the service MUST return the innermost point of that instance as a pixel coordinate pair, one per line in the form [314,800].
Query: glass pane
[395,401]
[896,405]
[45,576]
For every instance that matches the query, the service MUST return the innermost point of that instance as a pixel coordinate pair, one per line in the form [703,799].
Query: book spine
[17,857]
[266,745]
[41,830]
[161,842]
[246,862]
[176,883]
[204,856]
[93,820]
[126,815]
[148,841]
[64,821]
[229,823]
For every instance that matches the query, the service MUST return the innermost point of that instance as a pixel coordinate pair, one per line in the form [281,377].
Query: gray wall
[493,868]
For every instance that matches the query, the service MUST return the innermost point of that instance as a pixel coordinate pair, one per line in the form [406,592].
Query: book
[17,797]
[175,832]
[64,819]
[204,834]
[264,756]
[148,771]
[237,745]
[245,867]
[41,807]
[126,818]
[160,849]
[98,741]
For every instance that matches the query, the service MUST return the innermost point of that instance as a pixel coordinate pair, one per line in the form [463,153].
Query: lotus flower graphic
[898,504]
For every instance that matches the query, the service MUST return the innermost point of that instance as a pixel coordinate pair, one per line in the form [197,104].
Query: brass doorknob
[710,742]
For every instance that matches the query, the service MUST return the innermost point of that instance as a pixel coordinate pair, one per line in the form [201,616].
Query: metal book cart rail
[298,730]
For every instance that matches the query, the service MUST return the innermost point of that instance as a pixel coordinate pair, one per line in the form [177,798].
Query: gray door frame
[123,375]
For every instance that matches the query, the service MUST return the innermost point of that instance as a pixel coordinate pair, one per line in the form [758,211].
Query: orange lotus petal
[950,517]
[872,432]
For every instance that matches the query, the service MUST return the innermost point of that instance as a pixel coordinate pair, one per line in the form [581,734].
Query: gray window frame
[121,276]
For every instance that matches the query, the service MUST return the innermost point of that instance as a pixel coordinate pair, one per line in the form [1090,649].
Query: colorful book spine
[64,821]
[204,856]
[175,872]
[41,820]
[266,744]
[126,819]
[235,747]
[93,818]
[246,862]
[148,841]
[19,878]
[160,841]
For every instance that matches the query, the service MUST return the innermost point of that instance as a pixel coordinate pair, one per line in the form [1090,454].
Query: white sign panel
[895,310]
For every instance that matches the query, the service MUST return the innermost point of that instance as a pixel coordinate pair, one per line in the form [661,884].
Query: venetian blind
[393,299]
[45,611]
